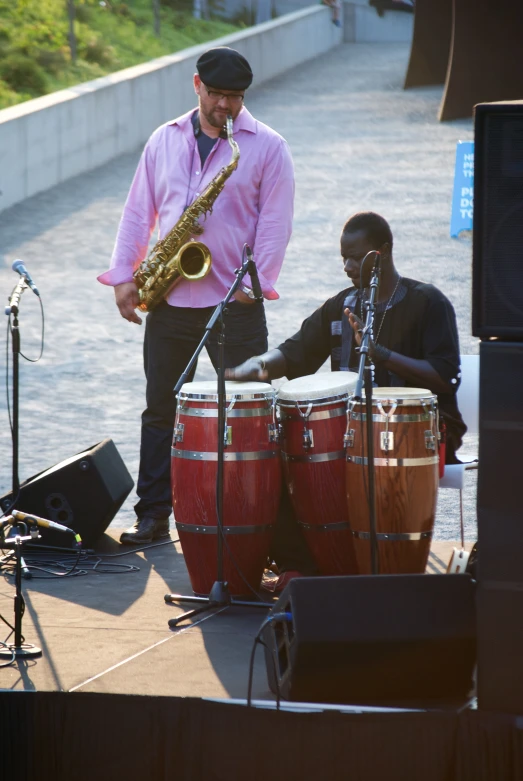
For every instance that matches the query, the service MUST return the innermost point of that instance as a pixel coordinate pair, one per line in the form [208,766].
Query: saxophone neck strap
[198,132]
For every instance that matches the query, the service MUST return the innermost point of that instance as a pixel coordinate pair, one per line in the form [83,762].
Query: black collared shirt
[420,323]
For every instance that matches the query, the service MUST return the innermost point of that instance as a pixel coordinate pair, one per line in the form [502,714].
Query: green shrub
[9,97]
[116,7]
[96,50]
[122,9]
[22,74]
[110,34]
[82,13]
[5,41]
[52,61]
[185,6]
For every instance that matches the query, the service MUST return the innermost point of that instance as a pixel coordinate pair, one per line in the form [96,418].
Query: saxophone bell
[192,262]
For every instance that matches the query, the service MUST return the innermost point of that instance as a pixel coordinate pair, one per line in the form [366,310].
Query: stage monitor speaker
[83,492]
[497,255]
[375,640]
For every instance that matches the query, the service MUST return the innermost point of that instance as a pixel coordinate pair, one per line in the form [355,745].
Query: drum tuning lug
[308,438]
[348,438]
[387,440]
[227,436]
[430,440]
[274,432]
[178,432]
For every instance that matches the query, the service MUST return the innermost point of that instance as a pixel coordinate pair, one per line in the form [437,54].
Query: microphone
[366,277]
[43,522]
[253,273]
[18,266]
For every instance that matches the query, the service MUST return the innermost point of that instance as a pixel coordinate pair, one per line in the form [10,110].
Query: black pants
[288,547]
[171,337]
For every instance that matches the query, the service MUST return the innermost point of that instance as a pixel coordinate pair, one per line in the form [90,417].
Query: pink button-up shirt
[254,207]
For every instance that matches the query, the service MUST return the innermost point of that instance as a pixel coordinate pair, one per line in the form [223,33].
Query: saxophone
[177,256]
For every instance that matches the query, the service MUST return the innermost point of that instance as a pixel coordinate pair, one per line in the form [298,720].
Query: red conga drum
[251,482]
[313,415]
[406,461]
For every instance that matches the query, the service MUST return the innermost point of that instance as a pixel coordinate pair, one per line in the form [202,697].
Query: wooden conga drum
[251,482]
[406,461]
[313,413]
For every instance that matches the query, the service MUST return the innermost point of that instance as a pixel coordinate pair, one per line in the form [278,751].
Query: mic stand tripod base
[218,597]
[24,651]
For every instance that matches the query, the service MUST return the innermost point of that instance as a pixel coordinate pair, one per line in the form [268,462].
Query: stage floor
[107,630]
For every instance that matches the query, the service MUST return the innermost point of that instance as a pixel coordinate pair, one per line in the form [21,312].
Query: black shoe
[145,530]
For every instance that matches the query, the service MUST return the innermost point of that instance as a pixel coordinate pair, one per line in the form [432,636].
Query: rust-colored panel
[430,47]
[486,58]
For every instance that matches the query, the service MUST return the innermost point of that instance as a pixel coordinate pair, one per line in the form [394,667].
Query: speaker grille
[498,221]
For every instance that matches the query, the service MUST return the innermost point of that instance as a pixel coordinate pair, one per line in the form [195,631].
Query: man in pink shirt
[254,208]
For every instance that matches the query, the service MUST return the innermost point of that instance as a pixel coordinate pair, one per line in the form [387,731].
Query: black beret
[224,68]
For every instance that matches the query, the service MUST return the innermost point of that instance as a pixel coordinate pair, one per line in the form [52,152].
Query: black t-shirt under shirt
[205,143]
[420,323]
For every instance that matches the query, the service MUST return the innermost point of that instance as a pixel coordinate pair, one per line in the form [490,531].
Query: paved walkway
[359,142]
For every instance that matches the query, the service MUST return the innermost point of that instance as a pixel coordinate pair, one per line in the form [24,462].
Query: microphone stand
[13,309]
[19,649]
[365,377]
[219,595]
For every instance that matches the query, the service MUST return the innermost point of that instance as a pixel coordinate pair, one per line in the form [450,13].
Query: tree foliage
[35,46]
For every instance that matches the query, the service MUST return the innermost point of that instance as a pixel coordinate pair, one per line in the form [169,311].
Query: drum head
[318,386]
[207,390]
[402,395]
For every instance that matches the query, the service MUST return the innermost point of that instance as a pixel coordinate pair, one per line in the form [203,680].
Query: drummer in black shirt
[415,335]
[415,344]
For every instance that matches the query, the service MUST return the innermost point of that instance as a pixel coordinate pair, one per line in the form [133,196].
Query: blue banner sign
[463,196]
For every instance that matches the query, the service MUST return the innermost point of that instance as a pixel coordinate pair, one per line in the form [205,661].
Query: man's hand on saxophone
[243,298]
[127,299]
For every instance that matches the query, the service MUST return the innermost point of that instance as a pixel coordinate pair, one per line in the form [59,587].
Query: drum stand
[19,648]
[365,376]
[219,595]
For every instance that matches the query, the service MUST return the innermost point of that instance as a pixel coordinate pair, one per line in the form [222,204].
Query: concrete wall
[47,140]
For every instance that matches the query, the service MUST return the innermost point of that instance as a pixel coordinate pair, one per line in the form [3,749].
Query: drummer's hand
[356,325]
[127,299]
[253,369]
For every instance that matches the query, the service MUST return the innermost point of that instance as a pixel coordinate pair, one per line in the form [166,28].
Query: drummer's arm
[413,370]
[262,368]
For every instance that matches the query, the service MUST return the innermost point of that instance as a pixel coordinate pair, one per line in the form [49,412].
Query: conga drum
[406,462]
[313,412]
[251,482]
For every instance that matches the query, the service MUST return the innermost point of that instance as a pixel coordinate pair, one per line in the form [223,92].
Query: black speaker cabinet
[500,467]
[384,640]
[83,492]
[497,300]
[500,528]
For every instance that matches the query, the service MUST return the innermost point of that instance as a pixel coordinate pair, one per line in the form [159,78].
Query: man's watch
[247,291]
